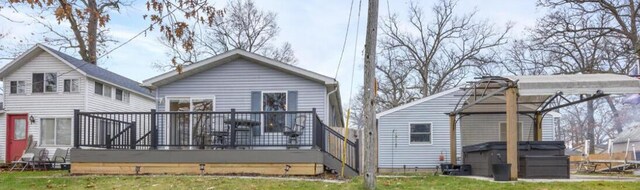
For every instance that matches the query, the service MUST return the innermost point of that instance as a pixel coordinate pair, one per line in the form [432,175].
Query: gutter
[337,87]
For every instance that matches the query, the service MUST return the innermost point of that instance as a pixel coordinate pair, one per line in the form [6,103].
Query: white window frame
[55,136]
[24,87]
[104,91]
[500,131]
[430,133]
[44,83]
[115,95]
[71,90]
[286,108]
[167,100]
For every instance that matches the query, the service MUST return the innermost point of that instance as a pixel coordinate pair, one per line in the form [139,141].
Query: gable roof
[633,134]
[228,56]
[88,69]
[416,102]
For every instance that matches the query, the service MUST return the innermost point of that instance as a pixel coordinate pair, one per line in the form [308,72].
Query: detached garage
[415,135]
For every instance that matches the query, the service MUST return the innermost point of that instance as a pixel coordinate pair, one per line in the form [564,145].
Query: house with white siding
[43,86]
[415,135]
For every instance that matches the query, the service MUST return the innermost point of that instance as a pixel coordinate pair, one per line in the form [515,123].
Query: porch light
[32,119]
[201,169]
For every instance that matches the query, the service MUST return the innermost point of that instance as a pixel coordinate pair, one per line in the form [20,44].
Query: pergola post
[452,139]
[511,97]
[537,130]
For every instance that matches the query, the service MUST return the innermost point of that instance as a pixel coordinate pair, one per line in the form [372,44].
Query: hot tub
[537,159]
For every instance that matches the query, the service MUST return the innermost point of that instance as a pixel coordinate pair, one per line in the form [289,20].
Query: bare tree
[442,51]
[394,80]
[87,21]
[244,26]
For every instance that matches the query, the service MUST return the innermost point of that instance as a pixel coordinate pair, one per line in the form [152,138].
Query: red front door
[16,136]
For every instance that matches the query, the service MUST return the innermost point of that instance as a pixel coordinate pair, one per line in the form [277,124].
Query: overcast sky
[315,30]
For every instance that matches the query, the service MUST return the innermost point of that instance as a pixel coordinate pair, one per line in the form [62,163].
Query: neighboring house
[414,135]
[42,88]
[632,135]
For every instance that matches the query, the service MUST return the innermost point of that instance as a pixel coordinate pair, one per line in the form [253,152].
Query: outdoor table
[243,125]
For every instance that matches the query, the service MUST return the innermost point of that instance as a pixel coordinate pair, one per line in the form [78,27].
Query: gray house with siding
[42,88]
[247,82]
[414,135]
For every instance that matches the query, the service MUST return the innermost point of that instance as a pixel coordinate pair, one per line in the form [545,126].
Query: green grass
[61,180]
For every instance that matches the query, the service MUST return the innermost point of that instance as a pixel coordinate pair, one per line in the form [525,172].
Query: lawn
[61,180]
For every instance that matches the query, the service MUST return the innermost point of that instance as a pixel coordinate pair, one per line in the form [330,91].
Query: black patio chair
[295,131]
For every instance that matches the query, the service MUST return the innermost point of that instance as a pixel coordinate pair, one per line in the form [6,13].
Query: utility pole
[370,127]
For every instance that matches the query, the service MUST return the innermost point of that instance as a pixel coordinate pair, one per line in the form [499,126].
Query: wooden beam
[537,131]
[452,139]
[512,131]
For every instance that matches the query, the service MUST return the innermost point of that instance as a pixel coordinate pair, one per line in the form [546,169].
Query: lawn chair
[59,157]
[220,133]
[25,160]
[296,130]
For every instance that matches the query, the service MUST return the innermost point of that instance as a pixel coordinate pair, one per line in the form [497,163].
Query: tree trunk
[92,31]
[591,128]
[616,115]
[371,133]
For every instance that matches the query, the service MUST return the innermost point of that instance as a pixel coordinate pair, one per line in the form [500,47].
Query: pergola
[533,96]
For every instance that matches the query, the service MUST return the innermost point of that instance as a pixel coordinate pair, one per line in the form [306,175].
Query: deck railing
[211,130]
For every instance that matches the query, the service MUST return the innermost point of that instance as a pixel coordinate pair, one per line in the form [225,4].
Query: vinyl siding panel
[41,105]
[393,132]
[100,103]
[393,135]
[232,83]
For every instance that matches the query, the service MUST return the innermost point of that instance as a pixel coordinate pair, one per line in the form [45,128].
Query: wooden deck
[223,162]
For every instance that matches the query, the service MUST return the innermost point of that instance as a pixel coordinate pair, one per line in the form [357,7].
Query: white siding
[41,105]
[233,82]
[471,130]
[100,103]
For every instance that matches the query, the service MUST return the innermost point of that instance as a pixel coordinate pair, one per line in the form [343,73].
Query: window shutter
[292,105]
[255,107]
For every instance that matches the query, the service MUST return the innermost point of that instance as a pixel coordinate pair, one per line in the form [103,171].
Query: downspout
[329,102]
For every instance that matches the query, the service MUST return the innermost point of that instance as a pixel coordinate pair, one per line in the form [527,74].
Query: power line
[344,44]
[355,52]
[122,44]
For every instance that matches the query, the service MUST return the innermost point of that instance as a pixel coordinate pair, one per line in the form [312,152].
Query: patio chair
[59,157]
[295,131]
[25,160]
[220,132]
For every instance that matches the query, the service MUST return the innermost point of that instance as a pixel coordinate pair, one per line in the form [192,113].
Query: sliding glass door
[189,129]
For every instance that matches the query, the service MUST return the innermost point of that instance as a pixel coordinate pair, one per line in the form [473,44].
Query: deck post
[76,128]
[537,130]
[233,128]
[154,130]
[107,141]
[452,139]
[357,154]
[511,97]
[133,136]
[315,126]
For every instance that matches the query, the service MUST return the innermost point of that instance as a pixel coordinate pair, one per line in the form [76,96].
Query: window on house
[37,83]
[119,94]
[98,87]
[503,131]
[102,89]
[17,87]
[107,91]
[44,82]
[420,133]
[273,102]
[126,96]
[55,131]
[70,85]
